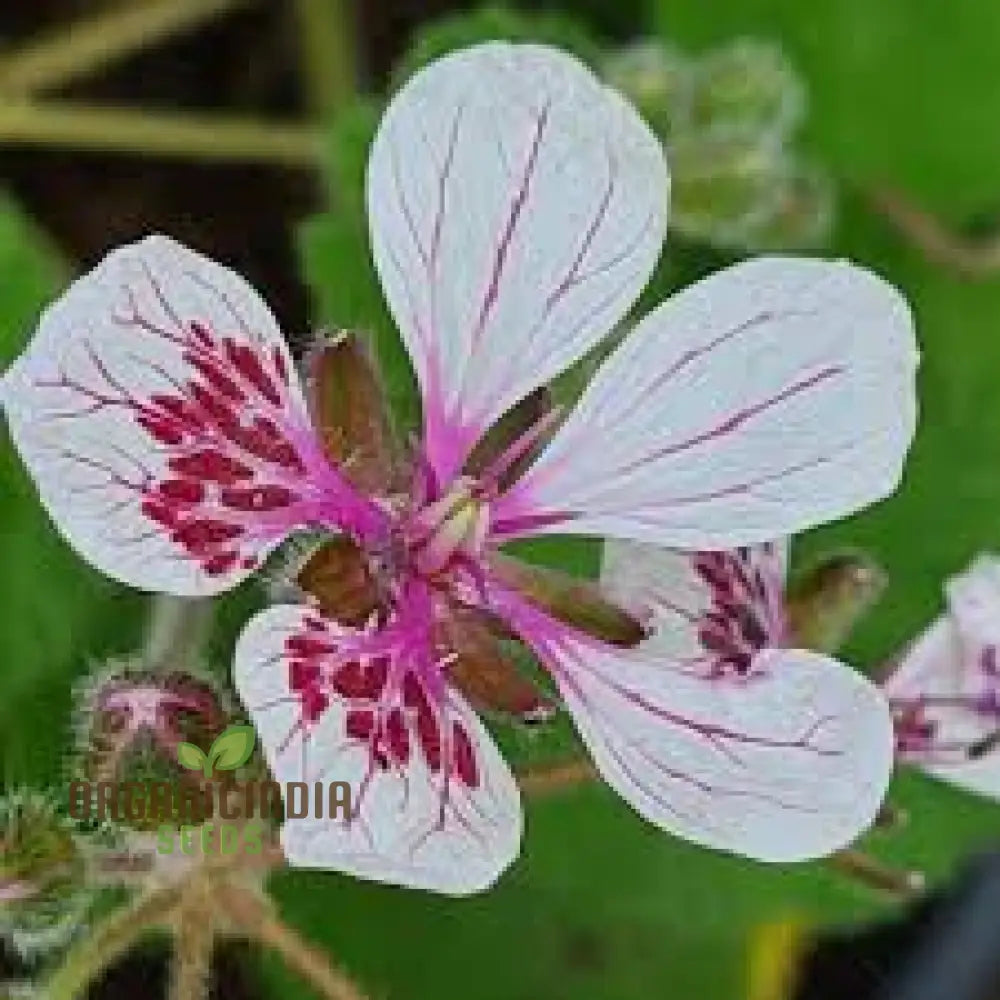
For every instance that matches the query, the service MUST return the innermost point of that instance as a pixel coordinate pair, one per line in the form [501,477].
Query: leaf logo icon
[231,749]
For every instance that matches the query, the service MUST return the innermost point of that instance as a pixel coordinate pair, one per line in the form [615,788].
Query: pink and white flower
[721,623]
[945,691]
[517,208]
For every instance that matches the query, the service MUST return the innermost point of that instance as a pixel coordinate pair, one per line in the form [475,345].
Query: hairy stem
[971,256]
[546,780]
[874,874]
[194,944]
[87,45]
[259,922]
[107,941]
[328,36]
[178,630]
[187,136]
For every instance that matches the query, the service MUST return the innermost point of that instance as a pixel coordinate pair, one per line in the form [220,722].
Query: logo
[231,749]
[187,807]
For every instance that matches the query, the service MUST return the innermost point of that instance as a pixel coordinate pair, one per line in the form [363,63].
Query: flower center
[452,527]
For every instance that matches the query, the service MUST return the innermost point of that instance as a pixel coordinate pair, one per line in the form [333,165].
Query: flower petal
[979,775]
[517,208]
[936,724]
[932,691]
[789,766]
[158,410]
[974,602]
[945,692]
[709,613]
[434,805]
[765,399]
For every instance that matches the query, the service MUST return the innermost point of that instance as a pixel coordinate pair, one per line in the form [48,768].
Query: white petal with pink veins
[517,208]
[790,765]
[768,398]
[932,696]
[974,601]
[435,805]
[932,665]
[158,410]
[708,613]
[945,692]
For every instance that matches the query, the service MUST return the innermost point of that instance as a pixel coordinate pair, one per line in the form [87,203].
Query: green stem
[109,939]
[328,33]
[178,631]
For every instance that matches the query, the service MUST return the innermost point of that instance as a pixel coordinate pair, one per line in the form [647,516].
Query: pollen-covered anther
[455,525]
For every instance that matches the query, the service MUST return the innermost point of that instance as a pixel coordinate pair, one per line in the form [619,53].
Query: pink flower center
[454,527]
[392,682]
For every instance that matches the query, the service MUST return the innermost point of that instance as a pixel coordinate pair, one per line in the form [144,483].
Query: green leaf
[459,31]
[190,756]
[233,748]
[58,614]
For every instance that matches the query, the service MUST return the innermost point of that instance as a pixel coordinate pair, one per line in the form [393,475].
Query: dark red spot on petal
[216,379]
[302,674]
[362,682]
[464,756]
[711,568]
[257,498]
[428,732]
[314,703]
[215,408]
[280,365]
[188,491]
[302,645]
[221,563]
[200,534]
[397,736]
[360,724]
[264,440]
[246,362]
[159,512]
[212,466]
[162,429]
[179,410]
[201,331]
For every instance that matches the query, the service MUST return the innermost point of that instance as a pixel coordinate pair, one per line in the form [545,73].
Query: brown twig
[106,942]
[251,914]
[199,137]
[973,257]
[858,866]
[177,632]
[194,943]
[874,874]
[68,52]
[327,31]
[547,780]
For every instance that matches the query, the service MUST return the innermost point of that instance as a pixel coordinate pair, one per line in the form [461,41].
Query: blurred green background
[904,93]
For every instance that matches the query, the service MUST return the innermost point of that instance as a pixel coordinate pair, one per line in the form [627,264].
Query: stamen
[492,475]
